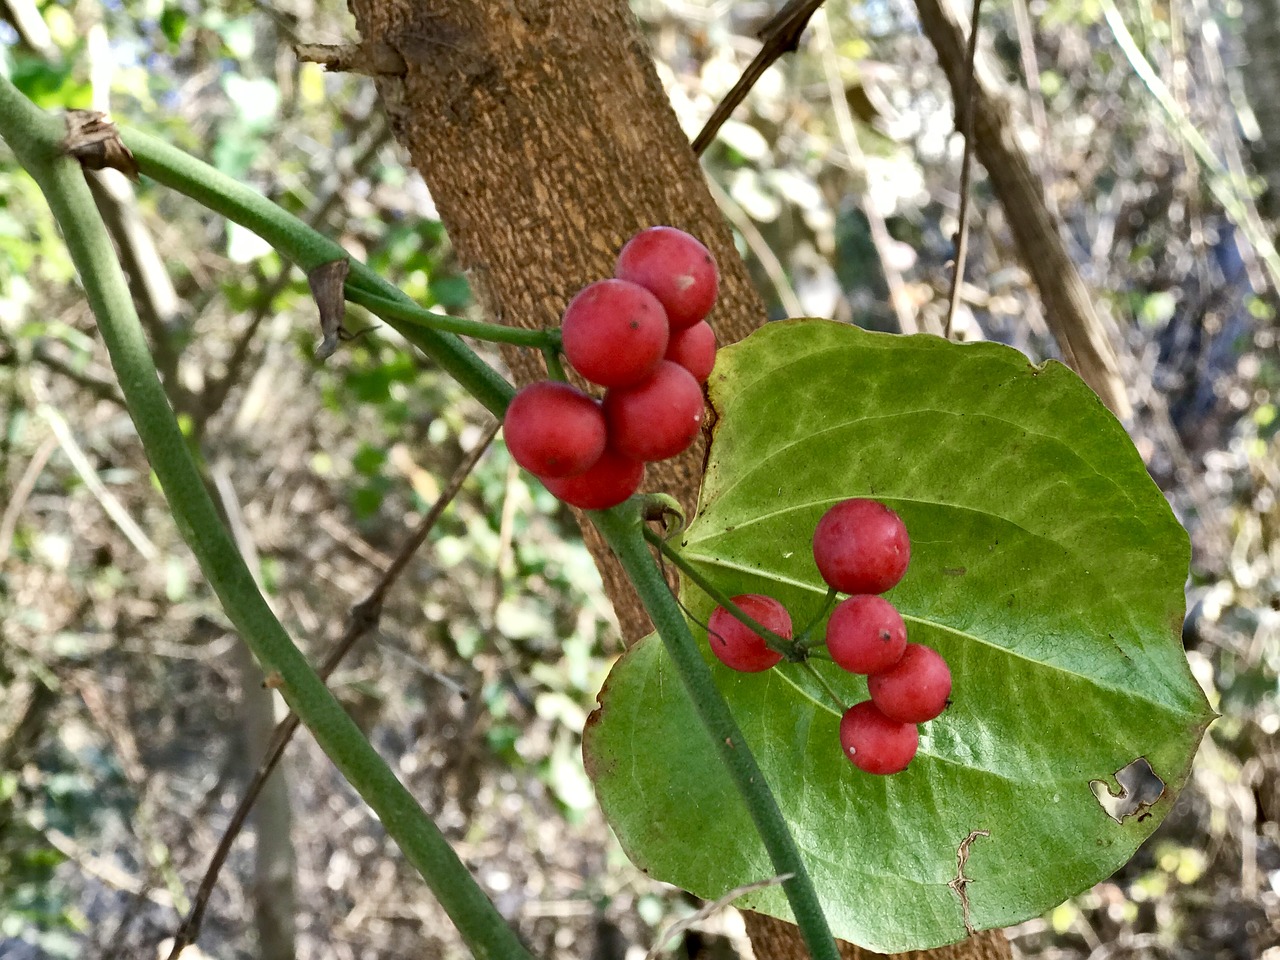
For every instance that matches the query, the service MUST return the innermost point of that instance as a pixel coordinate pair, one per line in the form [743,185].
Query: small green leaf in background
[1046,567]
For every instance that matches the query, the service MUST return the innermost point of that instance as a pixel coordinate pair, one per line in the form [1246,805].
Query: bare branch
[1069,309]
[780,35]
[964,113]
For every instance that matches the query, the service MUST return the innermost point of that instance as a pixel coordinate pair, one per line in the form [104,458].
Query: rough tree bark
[546,140]
[534,125]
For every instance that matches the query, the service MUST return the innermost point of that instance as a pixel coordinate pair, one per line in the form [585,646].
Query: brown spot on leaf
[960,882]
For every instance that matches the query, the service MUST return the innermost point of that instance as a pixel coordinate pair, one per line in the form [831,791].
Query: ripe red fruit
[605,484]
[865,634]
[737,645]
[676,268]
[861,546]
[914,691]
[694,348]
[874,743]
[655,419]
[614,333]
[554,430]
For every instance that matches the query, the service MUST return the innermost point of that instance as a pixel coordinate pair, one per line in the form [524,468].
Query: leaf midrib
[1125,692]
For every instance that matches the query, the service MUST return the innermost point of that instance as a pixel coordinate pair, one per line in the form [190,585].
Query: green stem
[34,138]
[774,641]
[828,604]
[309,249]
[555,369]
[623,530]
[390,310]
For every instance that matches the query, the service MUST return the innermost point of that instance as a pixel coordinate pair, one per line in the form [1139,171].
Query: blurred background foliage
[123,739]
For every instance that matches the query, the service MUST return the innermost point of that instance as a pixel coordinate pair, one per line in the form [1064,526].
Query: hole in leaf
[1140,789]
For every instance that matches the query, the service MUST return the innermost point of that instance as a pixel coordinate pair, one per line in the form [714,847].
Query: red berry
[737,645]
[606,484]
[658,418]
[914,691]
[554,430]
[676,268]
[614,333]
[865,634]
[874,743]
[861,546]
[694,348]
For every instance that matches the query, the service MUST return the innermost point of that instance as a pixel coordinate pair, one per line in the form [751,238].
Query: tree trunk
[774,939]
[546,140]
[542,131]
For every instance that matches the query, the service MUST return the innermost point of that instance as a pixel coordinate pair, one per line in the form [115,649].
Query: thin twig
[361,620]
[21,493]
[1238,205]
[881,239]
[780,35]
[830,690]
[709,910]
[110,503]
[102,389]
[38,143]
[105,870]
[964,113]
[1039,116]
[774,641]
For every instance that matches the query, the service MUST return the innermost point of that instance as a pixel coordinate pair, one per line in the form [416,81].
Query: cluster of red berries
[862,549]
[643,336]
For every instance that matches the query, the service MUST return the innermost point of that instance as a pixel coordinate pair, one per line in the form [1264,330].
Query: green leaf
[173,23]
[1046,567]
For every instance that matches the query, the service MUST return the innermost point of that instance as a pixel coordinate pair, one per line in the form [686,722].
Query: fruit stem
[822,682]
[625,532]
[555,369]
[790,651]
[828,604]
[411,313]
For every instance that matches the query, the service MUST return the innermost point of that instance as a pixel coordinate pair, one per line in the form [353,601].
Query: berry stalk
[389,309]
[625,533]
[780,644]
[803,640]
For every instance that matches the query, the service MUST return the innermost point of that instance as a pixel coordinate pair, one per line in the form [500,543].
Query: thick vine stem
[624,531]
[34,138]
[308,248]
